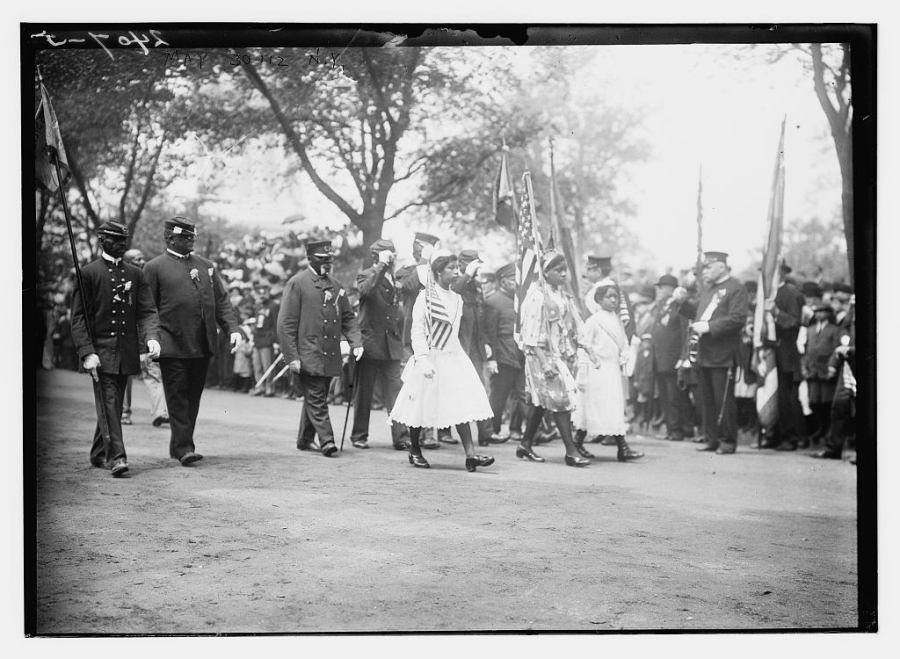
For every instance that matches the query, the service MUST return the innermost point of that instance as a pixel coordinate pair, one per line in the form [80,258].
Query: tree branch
[129,172]
[295,142]
[78,177]
[148,187]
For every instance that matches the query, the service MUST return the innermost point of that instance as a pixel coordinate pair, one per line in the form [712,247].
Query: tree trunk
[371,225]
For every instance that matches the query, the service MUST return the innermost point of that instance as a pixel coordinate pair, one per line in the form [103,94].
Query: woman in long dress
[601,392]
[549,339]
[440,385]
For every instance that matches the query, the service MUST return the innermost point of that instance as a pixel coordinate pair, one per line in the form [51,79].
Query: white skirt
[454,394]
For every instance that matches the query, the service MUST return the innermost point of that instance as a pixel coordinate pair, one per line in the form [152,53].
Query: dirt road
[260,537]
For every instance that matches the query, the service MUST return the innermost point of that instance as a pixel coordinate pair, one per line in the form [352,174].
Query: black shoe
[360,443]
[583,452]
[726,448]
[303,446]
[625,452]
[402,445]
[786,446]
[329,449]
[119,468]
[479,461]
[447,438]
[158,421]
[189,458]
[528,454]
[577,462]
[418,461]
[708,447]
[826,454]
[497,438]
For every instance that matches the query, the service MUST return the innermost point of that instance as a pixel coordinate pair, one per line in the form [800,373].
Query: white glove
[680,294]
[427,250]
[358,352]
[153,348]
[472,268]
[295,366]
[701,327]
[236,340]
[385,256]
[91,362]
[492,368]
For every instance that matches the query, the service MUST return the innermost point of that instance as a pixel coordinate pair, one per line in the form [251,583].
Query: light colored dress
[549,337]
[601,405]
[454,394]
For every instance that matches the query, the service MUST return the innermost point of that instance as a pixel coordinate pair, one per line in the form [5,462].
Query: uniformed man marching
[314,313]
[720,316]
[191,300]
[108,333]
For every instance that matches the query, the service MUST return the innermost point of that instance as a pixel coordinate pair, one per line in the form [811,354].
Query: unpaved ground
[260,537]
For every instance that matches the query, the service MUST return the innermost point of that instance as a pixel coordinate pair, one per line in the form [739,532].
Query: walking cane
[280,373]
[728,380]
[269,371]
[350,393]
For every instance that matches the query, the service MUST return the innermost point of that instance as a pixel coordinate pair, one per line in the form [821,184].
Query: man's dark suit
[499,327]
[788,314]
[381,327]
[717,354]
[314,313]
[121,321]
[191,301]
[669,332]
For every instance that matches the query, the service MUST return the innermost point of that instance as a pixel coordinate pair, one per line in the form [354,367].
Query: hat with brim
[715,257]
[466,256]
[319,249]
[667,280]
[426,238]
[381,245]
[599,261]
[180,225]
[113,229]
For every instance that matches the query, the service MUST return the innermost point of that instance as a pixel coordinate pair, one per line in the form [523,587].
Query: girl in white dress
[602,353]
[440,385]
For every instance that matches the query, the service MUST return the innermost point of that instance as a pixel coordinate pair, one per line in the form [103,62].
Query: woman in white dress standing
[440,385]
[602,353]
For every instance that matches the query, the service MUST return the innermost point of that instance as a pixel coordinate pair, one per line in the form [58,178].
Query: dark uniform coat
[189,309]
[265,330]
[499,327]
[314,313]
[669,332]
[820,346]
[719,346]
[122,321]
[471,334]
[410,285]
[380,315]
[789,302]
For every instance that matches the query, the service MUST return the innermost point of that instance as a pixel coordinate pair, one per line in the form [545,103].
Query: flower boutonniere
[195,276]
[127,286]
[328,296]
[209,271]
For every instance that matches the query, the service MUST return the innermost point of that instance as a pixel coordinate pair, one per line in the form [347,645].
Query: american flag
[526,252]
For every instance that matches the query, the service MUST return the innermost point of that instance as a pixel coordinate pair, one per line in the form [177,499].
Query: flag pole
[102,420]
[698,267]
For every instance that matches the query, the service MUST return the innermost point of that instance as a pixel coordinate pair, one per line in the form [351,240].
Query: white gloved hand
[472,268]
[680,294]
[295,366]
[236,340]
[153,348]
[385,256]
[492,367]
[357,353]
[427,251]
[91,362]
[701,327]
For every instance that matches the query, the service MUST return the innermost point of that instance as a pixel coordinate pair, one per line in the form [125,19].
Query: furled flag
[49,143]
[504,194]
[562,235]
[763,322]
[527,253]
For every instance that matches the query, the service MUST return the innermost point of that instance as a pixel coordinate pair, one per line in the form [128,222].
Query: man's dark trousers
[183,381]
[112,385]
[506,381]
[388,371]
[790,413]
[716,385]
[842,426]
[314,419]
[675,403]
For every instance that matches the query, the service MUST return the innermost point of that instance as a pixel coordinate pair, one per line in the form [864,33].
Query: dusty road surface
[260,537]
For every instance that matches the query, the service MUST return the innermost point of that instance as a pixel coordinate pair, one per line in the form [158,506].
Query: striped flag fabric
[526,254]
[563,235]
[763,322]
[440,325]
[504,194]
[49,140]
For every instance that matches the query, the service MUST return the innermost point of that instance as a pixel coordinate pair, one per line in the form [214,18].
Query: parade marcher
[600,409]
[412,280]
[787,312]
[549,339]
[822,339]
[264,339]
[471,327]
[720,316]
[191,301]
[440,385]
[509,380]
[381,327]
[315,312]
[150,373]
[669,331]
[109,326]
